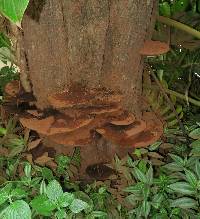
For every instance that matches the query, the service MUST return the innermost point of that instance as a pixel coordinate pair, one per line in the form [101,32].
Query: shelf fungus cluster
[80,113]
[79,116]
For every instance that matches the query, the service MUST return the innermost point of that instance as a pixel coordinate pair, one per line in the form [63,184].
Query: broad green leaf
[54,190]
[78,205]
[195,134]
[17,210]
[139,175]
[42,205]
[190,162]
[61,214]
[195,143]
[13,10]
[173,167]
[47,173]
[18,193]
[178,160]
[191,178]
[4,193]
[157,200]
[184,203]
[65,199]
[197,168]
[6,55]
[182,188]
[164,9]
[145,208]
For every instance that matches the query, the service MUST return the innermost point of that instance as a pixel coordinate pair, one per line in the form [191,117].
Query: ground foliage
[161,181]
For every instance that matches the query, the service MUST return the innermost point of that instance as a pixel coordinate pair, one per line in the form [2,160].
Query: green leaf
[27,170]
[47,173]
[142,166]
[13,9]
[146,192]
[179,6]
[164,9]
[135,189]
[195,134]
[18,193]
[99,214]
[4,41]
[61,214]
[4,193]
[3,131]
[155,146]
[195,143]
[78,205]
[157,200]
[182,188]
[42,205]
[54,190]
[65,199]
[173,167]
[131,199]
[179,161]
[43,187]
[184,203]
[145,208]
[149,175]
[139,175]
[17,210]
[197,168]
[191,178]
[6,54]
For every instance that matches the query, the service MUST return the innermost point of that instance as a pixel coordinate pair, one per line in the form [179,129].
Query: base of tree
[91,119]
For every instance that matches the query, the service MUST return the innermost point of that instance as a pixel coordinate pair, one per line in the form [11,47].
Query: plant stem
[163,90]
[179,25]
[183,97]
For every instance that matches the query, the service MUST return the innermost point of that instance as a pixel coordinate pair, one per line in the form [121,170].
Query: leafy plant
[13,10]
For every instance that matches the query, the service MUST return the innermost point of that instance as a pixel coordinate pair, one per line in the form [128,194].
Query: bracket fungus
[154,48]
[80,116]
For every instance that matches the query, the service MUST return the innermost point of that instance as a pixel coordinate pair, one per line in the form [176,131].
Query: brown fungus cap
[124,119]
[66,124]
[153,48]
[42,126]
[140,133]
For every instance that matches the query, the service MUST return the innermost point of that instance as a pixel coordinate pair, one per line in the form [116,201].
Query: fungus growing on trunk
[80,116]
[153,48]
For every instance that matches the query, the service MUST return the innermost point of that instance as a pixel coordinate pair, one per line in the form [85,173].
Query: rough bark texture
[94,44]
[87,41]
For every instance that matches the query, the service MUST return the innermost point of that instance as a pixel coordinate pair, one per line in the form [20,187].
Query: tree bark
[92,43]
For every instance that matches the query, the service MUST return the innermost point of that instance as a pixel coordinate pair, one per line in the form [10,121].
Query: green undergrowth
[162,181]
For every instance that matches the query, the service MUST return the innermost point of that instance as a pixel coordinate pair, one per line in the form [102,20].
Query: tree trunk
[88,46]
